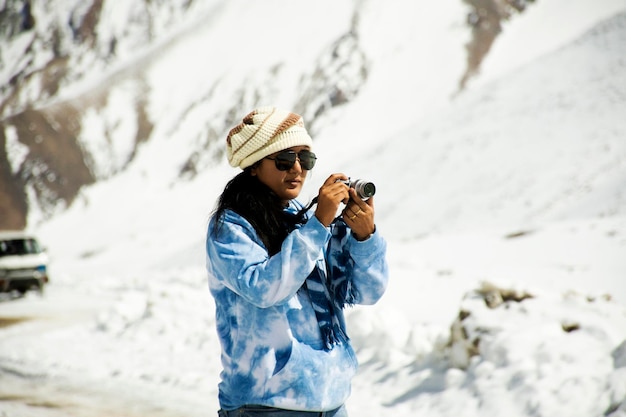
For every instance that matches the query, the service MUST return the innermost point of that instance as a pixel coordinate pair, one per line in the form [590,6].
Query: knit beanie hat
[261,133]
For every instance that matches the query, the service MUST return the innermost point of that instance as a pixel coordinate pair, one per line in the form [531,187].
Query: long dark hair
[259,205]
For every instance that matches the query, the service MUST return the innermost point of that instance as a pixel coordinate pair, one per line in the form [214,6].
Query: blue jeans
[262,411]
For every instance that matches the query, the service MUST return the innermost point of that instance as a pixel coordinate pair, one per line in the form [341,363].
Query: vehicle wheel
[40,289]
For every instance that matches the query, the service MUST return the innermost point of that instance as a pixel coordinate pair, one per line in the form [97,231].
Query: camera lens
[368,189]
[364,189]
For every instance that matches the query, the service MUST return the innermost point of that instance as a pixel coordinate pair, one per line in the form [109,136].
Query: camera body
[363,188]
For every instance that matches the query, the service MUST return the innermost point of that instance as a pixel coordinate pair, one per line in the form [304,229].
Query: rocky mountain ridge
[65,62]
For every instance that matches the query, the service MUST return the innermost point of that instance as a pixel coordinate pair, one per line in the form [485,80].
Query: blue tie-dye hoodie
[272,348]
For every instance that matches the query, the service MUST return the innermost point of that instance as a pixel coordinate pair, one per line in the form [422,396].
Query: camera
[364,189]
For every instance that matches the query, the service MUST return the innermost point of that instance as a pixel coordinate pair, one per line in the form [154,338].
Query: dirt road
[23,395]
[28,391]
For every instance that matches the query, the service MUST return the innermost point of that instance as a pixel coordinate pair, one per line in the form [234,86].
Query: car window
[19,247]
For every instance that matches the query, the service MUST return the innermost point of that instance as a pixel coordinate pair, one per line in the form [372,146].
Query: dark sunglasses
[285,160]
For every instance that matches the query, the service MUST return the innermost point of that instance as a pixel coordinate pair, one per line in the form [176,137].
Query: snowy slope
[543,143]
[519,181]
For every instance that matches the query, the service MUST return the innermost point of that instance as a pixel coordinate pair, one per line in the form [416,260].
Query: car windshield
[19,247]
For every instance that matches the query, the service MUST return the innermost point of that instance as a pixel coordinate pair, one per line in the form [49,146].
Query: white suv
[23,265]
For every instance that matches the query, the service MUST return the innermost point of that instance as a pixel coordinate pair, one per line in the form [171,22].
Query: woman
[281,275]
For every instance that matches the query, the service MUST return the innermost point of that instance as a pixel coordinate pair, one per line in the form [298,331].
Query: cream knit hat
[261,133]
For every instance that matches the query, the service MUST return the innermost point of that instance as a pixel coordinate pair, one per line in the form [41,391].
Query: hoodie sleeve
[359,270]
[237,259]
[370,272]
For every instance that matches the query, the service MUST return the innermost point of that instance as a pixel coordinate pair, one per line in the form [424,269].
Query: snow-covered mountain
[85,84]
[90,89]
[519,179]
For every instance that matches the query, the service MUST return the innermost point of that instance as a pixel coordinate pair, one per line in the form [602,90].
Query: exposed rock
[56,164]
[485,18]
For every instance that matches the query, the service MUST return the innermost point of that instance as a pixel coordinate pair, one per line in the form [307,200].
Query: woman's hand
[331,195]
[359,216]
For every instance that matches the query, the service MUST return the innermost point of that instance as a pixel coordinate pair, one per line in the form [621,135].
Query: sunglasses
[285,160]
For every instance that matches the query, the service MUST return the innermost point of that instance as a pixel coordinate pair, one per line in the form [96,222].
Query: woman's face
[286,184]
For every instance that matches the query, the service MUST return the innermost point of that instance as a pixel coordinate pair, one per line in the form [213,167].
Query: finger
[334,178]
[354,209]
[349,217]
[359,204]
[364,211]
[355,196]
[342,191]
[334,190]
